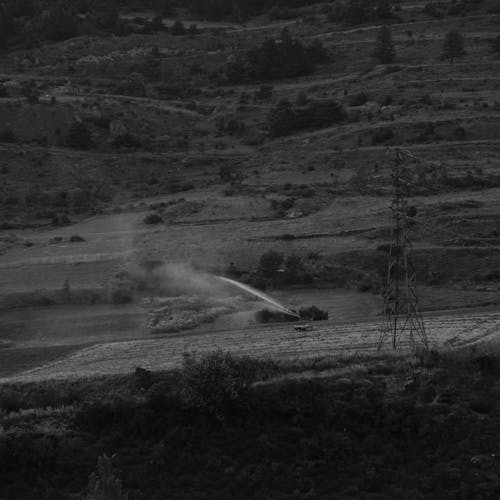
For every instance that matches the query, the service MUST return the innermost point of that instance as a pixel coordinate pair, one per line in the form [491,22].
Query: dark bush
[216,383]
[274,59]
[104,484]
[271,263]
[59,23]
[79,136]
[267,316]
[153,219]
[178,28]
[460,133]
[121,295]
[358,99]
[127,140]
[8,136]
[313,313]
[285,119]
[382,135]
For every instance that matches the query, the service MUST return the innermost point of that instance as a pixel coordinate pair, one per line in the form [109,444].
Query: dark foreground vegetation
[227,427]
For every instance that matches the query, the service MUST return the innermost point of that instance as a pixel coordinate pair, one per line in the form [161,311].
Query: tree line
[284,57]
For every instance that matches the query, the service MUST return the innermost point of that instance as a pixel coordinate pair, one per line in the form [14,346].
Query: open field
[268,342]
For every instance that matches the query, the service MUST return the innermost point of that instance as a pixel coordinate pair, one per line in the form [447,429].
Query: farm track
[270,341]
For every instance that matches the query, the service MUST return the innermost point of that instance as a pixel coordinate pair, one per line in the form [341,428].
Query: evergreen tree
[453,45]
[6,26]
[178,28]
[60,23]
[103,484]
[384,46]
[79,136]
[496,44]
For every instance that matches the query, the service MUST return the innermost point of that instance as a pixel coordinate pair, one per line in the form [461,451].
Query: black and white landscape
[208,209]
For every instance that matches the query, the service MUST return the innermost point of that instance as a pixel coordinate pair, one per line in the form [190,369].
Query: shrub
[178,28]
[267,316]
[285,119]
[153,219]
[496,44]
[121,295]
[265,93]
[273,59]
[103,484]
[79,136]
[133,85]
[384,46]
[358,99]
[382,135]
[216,383]
[453,45]
[59,23]
[11,400]
[271,262]
[460,133]
[313,313]
[7,135]
[126,140]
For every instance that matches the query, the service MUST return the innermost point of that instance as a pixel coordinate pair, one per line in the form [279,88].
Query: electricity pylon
[401,307]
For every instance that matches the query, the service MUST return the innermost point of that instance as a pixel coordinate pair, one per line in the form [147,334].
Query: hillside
[150,148]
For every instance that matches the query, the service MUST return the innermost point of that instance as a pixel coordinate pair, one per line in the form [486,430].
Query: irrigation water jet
[260,295]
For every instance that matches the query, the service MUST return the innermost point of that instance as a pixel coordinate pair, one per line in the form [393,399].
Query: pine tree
[384,46]
[496,44]
[103,484]
[453,45]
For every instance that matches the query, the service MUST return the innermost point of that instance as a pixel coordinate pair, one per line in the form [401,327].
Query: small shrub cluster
[285,119]
[287,57]
[276,269]
[216,383]
[361,11]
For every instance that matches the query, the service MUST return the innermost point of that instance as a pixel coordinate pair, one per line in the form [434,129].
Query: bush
[59,23]
[216,383]
[382,135]
[153,219]
[8,136]
[127,140]
[358,99]
[313,313]
[103,484]
[453,45]
[271,263]
[496,44]
[285,119]
[79,136]
[274,59]
[384,46]
[267,316]
[133,85]
[178,28]
[121,295]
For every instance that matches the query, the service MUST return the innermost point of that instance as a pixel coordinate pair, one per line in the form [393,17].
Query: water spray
[260,295]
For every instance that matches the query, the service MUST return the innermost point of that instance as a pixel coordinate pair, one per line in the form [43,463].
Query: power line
[401,306]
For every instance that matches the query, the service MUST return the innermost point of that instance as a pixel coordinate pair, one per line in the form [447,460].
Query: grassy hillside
[226,427]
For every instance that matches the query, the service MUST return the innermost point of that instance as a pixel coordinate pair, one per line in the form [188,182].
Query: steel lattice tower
[401,308]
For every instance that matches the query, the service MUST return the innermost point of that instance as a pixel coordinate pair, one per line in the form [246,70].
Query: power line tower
[401,308]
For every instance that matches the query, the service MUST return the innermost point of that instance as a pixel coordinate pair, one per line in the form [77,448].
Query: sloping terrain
[156,146]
